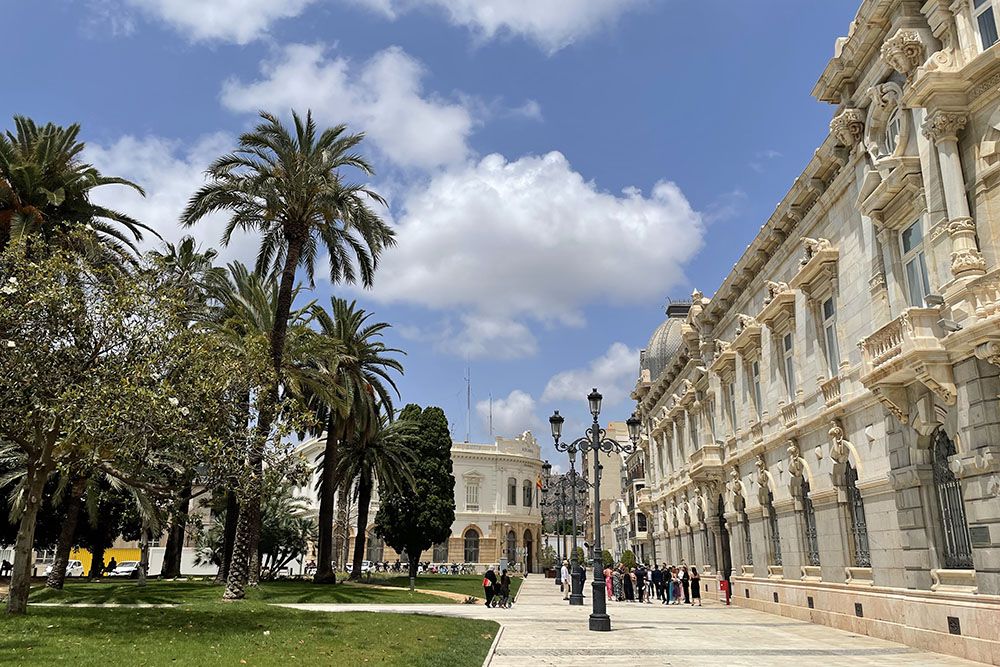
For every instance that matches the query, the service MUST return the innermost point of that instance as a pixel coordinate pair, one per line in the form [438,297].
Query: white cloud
[553,24]
[532,238]
[170,173]
[612,373]
[239,21]
[511,416]
[382,96]
[475,336]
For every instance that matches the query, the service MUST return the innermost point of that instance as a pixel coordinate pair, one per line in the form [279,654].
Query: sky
[556,170]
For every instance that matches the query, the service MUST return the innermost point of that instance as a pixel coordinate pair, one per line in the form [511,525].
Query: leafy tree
[548,556]
[289,187]
[412,519]
[607,558]
[628,558]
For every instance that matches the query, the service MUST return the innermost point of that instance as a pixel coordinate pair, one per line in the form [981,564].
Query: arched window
[376,548]
[809,518]
[440,552]
[859,526]
[772,524]
[526,493]
[471,546]
[511,547]
[511,491]
[957,549]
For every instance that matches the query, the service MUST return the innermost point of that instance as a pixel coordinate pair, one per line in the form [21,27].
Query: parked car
[367,566]
[128,569]
[73,569]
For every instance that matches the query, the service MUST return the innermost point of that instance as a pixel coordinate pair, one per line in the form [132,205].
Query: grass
[463,584]
[251,633]
[185,592]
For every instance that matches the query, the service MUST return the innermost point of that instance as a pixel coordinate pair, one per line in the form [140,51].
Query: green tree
[628,558]
[290,188]
[412,519]
[607,558]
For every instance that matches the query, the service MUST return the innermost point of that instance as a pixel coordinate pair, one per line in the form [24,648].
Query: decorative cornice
[943,126]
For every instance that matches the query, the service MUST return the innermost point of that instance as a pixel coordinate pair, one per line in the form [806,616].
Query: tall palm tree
[377,453]
[45,189]
[364,382]
[289,187]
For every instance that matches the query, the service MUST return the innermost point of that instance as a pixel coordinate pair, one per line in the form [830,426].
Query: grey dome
[665,342]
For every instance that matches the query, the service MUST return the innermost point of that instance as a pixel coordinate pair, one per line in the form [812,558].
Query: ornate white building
[497,512]
[825,430]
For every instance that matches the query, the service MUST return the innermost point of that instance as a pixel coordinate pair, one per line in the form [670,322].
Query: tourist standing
[489,585]
[629,586]
[695,586]
[686,584]
[657,579]
[564,577]
[607,581]
[617,585]
[640,582]
[504,590]
[675,586]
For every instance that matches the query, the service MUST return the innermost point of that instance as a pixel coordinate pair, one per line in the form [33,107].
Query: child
[504,590]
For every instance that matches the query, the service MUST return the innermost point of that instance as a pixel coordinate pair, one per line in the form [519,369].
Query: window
[511,548]
[787,353]
[809,518]
[986,22]
[755,387]
[526,493]
[471,546]
[859,526]
[731,397]
[440,554]
[693,431]
[951,506]
[511,491]
[472,496]
[772,524]
[830,336]
[917,284]
[892,130]
[640,522]
[376,548]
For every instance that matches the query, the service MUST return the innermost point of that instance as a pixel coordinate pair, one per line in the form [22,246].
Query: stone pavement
[541,629]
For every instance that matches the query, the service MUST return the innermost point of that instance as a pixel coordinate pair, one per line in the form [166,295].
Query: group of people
[497,589]
[669,583]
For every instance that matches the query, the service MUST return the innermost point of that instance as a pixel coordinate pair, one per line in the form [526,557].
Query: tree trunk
[364,499]
[253,579]
[228,536]
[413,563]
[67,532]
[171,568]
[340,527]
[239,567]
[327,490]
[20,577]
[97,563]
[143,555]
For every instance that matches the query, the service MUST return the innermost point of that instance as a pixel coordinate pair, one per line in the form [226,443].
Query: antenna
[468,402]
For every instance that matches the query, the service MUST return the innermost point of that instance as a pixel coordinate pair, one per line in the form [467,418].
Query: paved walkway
[541,629]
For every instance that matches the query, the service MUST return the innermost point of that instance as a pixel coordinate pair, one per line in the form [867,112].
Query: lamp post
[596,442]
[576,568]
[546,488]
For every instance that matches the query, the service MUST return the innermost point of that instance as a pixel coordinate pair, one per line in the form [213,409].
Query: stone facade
[827,435]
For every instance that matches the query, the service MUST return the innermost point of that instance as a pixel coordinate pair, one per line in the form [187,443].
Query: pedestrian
[505,590]
[640,582]
[564,579]
[630,585]
[489,585]
[112,565]
[607,581]
[617,585]
[5,567]
[675,586]
[695,586]
[656,579]
[686,584]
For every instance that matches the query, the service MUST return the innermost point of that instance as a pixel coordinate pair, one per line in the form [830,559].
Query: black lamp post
[546,487]
[596,442]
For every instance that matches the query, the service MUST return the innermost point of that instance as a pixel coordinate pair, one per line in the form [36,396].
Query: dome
[665,342]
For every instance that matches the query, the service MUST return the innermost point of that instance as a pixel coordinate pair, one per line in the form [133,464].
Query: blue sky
[556,168]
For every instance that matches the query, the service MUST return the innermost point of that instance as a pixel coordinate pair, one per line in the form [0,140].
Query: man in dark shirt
[490,585]
[657,577]
[640,581]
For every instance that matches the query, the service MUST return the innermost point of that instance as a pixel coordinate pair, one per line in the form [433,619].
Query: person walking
[564,578]
[489,585]
[695,586]
[617,585]
[686,584]
[504,590]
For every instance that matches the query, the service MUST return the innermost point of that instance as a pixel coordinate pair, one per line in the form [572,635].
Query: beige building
[825,430]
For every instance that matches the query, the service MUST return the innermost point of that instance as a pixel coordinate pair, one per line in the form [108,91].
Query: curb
[493,648]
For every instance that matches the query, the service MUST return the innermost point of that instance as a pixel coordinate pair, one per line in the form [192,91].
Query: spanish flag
[538,482]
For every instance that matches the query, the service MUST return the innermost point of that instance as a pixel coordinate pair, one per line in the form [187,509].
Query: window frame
[983,8]
[755,393]
[472,496]
[916,255]
[831,343]
[731,390]
[526,493]
[512,492]
[788,363]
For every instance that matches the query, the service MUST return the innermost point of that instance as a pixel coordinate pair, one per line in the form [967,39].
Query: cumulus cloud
[384,96]
[238,21]
[170,172]
[532,238]
[511,415]
[613,373]
[552,24]
[475,336]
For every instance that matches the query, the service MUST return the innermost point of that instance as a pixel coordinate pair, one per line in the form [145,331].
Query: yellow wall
[85,557]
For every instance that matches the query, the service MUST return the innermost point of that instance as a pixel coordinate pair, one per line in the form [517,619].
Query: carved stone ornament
[811,247]
[904,51]
[989,351]
[966,260]
[848,126]
[944,125]
[761,464]
[721,347]
[745,322]
[795,465]
[839,451]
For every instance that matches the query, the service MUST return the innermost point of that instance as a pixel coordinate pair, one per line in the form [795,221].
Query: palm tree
[364,383]
[289,188]
[45,190]
[377,453]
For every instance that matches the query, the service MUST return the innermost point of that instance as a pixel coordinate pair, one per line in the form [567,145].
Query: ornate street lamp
[546,487]
[576,568]
[596,442]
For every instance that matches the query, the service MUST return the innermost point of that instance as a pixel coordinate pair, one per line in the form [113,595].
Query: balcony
[706,463]
[789,414]
[831,390]
[644,499]
[747,336]
[756,431]
[906,350]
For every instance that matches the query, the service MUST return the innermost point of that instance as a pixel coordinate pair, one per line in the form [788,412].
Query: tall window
[376,548]
[772,524]
[917,284]
[954,526]
[511,491]
[892,130]
[472,496]
[471,546]
[986,22]
[440,553]
[640,522]
[809,518]
[511,547]
[731,397]
[859,526]
[830,336]
[747,543]
[755,388]
[787,354]
[693,431]
[526,493]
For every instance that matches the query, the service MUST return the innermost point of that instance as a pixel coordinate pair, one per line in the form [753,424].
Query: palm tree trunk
[364,499]
[143,554]
[340,527]
[20,577]
[247,531]
[171,568]
[228,536]
[327,490]
[67,532]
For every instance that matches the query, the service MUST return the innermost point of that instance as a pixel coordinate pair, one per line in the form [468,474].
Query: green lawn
[464,584]
[251,633]
[179,592]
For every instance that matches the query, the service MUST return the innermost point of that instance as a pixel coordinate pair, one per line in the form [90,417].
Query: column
[942,127]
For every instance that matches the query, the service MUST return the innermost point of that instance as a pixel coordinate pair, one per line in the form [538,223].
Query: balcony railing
[789,414]
[831,390]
